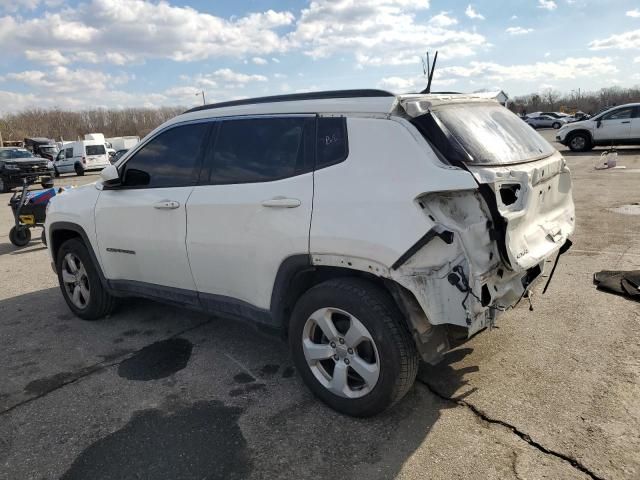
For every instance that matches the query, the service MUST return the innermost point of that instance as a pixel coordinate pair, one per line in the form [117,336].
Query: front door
[141,225]
[615,125]
[253,211]
[635,126]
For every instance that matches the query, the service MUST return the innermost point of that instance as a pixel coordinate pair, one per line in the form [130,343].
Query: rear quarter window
[332,144]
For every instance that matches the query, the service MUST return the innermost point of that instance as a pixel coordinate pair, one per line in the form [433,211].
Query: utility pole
[201,92]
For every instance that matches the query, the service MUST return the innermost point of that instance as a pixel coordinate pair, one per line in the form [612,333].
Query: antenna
[430,72]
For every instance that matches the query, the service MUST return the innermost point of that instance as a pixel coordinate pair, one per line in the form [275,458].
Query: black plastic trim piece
[172,295]
[446,236]
[235,308]
[73,227]
[297,97]
[284,282]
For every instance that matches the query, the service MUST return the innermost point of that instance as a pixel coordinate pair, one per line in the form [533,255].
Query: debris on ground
[619,281]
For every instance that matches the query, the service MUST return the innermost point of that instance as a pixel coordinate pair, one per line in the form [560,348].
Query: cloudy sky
[87,53]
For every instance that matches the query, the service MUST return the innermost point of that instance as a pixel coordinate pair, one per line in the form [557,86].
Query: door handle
[281,202]
[166,205]
[627,121]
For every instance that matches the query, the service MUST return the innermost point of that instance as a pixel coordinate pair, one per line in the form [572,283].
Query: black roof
[297,97]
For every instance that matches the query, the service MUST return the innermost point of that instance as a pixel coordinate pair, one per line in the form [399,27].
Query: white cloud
[636,60]
[378,32]
[547,54]
[64,80]
[259,61]
[46,57]
[518,30]
[443,20]
[15,5]
[621,41]
[635,13]
[547,4]
[568,68]
[514,17]
[275,60]
[471,13]
[178,33]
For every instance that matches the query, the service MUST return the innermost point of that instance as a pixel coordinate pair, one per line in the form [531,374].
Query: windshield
[491,134]
[52,150]
[95,150]
[6,154]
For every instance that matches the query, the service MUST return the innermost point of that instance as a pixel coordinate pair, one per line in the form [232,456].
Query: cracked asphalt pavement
[156,392]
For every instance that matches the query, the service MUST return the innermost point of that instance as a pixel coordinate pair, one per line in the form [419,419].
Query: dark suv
[19,163]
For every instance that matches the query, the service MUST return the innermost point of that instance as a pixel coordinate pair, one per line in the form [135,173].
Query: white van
[82,156]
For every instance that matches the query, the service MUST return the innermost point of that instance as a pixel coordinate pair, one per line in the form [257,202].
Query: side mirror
[598,123]
[110,176]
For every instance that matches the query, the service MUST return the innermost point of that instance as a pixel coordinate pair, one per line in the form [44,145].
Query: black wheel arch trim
[74,227]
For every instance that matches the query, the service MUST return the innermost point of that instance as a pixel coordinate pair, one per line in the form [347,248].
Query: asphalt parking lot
[550,393]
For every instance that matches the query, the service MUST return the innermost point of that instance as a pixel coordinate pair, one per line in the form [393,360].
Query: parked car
[41,147]
[545,121]
[118,155]
[617,126]
[349,220]
[82,156]
[17,163]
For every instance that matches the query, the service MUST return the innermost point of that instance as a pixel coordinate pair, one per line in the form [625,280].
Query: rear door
[95,156]
[141,226]
[615,125]
[253,210]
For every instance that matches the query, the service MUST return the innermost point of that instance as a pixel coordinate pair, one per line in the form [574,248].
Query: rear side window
[171,159]
[95,150]
[261,149]
[332,141]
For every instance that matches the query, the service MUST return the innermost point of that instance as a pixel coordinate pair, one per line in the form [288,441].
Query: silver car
[545,121]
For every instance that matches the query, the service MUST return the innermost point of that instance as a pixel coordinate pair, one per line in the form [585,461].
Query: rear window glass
[491,134]
[95,150]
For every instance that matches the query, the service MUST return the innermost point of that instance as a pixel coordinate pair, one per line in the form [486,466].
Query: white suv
[370,228]
[615,126]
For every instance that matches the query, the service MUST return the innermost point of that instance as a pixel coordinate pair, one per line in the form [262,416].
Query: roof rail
[297,97]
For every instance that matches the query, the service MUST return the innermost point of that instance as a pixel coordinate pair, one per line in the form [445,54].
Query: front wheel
[80,282]
[351,347]
[56,173]
[556,125]
[580,142]
[19,236]
[4,188]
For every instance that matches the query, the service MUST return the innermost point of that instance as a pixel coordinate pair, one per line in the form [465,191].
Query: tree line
[65,125]
[589,102]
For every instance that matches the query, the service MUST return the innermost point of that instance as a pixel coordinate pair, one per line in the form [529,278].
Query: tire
[19,236]
[79,170]
[4,188]
[43,237]
[56,173]
[85,279]
[48,183]
[580,142]
[351,303]
[556,125]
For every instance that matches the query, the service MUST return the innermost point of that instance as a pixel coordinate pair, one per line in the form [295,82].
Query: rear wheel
[556,125]
[19,236]
[580,142]
[351,348]
[80,282]
[79,169]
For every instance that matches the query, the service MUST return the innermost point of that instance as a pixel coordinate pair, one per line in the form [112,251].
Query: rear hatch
[96,155]
[524,181]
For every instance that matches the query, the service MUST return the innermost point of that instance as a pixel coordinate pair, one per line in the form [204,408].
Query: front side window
[620,114]
[69,153]
[95,150]
[248,150]
[171,159]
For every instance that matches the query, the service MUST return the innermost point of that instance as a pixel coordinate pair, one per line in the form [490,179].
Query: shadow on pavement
[278,431]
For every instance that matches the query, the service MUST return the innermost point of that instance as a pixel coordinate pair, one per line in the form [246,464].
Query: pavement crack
[95,368]
[484,416]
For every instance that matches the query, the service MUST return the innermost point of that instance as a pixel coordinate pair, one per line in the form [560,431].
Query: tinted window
[69,153]
[619,114]
[261,149]
[95,150]
[169,160]
[332,141]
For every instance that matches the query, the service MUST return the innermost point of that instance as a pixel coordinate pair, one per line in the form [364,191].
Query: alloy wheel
[75,280]
[341,352]
[578,142]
